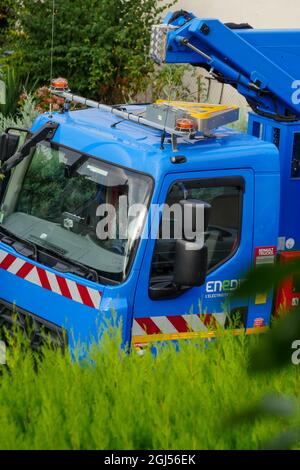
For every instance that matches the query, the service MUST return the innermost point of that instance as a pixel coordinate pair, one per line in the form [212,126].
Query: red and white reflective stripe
[175,324]
[259,323]
[50,281]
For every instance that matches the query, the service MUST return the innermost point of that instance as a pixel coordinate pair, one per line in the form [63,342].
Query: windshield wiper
[66,265]
[31,250]
[45,132]
[19,244]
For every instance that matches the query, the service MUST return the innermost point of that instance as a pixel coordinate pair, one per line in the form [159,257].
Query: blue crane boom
[263,65]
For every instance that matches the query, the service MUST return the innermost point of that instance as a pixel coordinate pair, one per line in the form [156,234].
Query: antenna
[52,49]
[163,135]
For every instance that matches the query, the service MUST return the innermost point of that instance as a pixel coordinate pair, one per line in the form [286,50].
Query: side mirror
[191,253]
[190,264]
[8,145]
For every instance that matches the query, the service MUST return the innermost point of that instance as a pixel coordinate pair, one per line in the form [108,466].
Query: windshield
[69,203]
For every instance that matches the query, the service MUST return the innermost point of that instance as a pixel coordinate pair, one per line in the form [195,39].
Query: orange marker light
[60,84]
[185,124]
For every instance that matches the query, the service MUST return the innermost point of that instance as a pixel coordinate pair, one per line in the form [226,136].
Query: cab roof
[104,136]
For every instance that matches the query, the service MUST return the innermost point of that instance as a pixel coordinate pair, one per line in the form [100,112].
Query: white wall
[259,13]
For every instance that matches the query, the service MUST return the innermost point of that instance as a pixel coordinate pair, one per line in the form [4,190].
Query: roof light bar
[116,111]
[180,119]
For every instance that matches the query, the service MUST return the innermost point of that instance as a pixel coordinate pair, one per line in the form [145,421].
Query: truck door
[230,246]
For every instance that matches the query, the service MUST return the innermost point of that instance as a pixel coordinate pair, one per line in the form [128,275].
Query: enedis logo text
[222,287]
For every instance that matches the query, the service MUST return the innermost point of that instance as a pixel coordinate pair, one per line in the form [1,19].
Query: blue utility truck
[54,269]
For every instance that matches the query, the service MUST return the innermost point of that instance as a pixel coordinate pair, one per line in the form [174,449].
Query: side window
[223,235]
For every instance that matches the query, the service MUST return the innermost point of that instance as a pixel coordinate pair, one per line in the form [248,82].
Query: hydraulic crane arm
[263,65]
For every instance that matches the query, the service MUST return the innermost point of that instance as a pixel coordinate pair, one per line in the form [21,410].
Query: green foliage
[13,89]
[102,47]
[6,19]
[25,117]
[266,277]
[177,400]
[274,350]
[176,82]
[16,91]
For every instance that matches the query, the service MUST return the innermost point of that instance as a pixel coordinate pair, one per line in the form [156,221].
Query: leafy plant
[13,89]
[177,82]
[25,117]
[46,100]
[102,47]
[6,18]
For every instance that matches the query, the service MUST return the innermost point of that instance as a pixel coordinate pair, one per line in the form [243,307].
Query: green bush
[178,82]
[6,18]
[24,118]
[187,400]
[102,47]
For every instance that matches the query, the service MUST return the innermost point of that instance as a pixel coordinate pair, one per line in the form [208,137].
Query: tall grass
[177,400]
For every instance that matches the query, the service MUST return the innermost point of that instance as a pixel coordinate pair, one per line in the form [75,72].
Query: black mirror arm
[166,290]
[45,132]
[18,129]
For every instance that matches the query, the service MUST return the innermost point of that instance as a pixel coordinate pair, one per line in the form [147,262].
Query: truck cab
[57,271]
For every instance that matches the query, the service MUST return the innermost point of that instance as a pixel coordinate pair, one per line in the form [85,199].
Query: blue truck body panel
[229,153]
[138,147]
[289,204]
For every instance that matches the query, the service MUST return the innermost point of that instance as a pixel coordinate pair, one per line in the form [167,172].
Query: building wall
[261,14]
